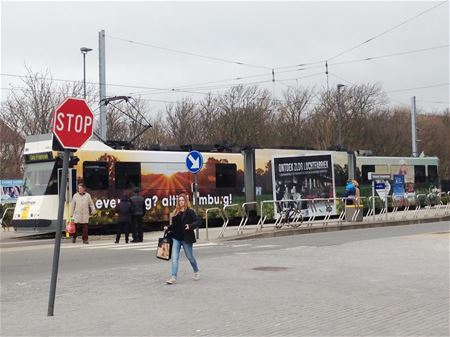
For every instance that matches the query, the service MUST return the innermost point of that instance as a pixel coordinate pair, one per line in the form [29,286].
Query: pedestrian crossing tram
[229,176]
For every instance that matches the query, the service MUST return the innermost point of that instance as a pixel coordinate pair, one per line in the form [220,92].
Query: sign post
[194,163]
[72,126]
[375,186]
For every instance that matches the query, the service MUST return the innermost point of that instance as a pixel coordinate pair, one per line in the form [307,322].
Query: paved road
[380,281]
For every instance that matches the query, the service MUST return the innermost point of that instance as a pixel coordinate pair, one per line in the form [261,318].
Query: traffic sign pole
[373,199]
[386,202]
[196,201]
[57,248]
[73,126]
[194,163]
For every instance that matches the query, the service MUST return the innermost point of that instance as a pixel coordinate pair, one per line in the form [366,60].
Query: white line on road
[266,246]
[200,245]
[84,246]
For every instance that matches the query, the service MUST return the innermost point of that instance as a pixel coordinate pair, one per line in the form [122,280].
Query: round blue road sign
[194,161]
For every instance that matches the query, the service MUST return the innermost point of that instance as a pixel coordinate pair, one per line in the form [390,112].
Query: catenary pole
[102,81]
[413,127]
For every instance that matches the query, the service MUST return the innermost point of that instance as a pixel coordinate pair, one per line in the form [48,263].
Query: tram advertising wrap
[301,178]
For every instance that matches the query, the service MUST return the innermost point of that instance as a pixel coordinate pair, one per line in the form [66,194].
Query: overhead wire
[387,30]
[174,88]
[188,53]
[307,68]
[424,87]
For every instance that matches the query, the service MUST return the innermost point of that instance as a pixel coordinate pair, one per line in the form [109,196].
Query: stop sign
[73,123]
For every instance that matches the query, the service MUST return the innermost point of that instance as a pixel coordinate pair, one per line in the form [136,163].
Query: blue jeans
[187,247]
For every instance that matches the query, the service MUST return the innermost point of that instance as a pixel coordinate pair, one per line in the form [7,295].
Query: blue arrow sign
[194,161]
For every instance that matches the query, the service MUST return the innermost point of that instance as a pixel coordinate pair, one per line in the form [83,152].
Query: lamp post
[339,110]
[84,51]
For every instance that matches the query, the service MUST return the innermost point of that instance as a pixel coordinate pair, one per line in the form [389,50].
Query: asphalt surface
[390,281]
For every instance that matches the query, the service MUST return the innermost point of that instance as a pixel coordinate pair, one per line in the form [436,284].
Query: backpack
[349,189]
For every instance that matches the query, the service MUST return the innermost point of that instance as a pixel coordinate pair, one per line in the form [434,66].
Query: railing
[210,210]
[245,216]
[289,212]
[227,218]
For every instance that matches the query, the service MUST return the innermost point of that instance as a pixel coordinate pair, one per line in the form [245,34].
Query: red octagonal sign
[73,123]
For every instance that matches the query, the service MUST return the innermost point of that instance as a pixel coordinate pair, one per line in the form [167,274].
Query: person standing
[81,208]
[139,211]
[124,213]
[350,192]
[184,221]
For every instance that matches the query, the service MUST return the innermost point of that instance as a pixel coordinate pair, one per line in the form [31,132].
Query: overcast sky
[262,35]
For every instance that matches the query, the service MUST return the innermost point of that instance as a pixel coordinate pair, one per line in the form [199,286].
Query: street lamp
[84,51]
[339,109]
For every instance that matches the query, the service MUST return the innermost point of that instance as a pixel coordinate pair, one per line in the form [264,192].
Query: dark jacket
[139,204]
[188,217]
[125,209]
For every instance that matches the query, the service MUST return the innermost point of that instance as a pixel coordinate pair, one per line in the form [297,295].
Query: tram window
[433,174]
[128,175]
[40,179]
[95,175]
[226,175]
[419,174]
[365,170]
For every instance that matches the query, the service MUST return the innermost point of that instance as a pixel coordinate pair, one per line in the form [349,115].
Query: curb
[332,228]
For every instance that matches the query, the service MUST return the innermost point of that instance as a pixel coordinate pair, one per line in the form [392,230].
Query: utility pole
[413,127]
[339,120]
[102,80]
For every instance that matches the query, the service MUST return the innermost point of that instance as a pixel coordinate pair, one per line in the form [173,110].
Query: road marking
[26,241]
[199,245]
[84,246]
[134,246]
[266,246]
[241,245]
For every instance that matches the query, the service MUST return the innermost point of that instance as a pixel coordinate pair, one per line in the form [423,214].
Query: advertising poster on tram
[10,190]
[301,179]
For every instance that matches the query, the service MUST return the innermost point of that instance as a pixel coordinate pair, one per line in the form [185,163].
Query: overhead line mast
[102,82]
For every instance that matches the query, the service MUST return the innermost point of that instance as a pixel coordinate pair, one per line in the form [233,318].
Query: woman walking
[184,221]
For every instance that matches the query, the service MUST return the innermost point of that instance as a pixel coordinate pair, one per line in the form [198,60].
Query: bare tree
[291,116]
[244,113]
[434,131]
[157,134]
[208,115]
[182,122]
[320,129]
[357,103]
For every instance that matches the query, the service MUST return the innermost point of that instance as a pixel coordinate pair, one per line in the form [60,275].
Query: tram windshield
[40,179]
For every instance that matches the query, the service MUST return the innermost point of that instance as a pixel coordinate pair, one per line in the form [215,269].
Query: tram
[234,177]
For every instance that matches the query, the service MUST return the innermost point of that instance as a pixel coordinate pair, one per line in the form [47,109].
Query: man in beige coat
[81,209]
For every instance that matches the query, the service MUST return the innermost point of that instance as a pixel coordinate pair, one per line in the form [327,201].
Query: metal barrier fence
[219,210]
[290,212]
